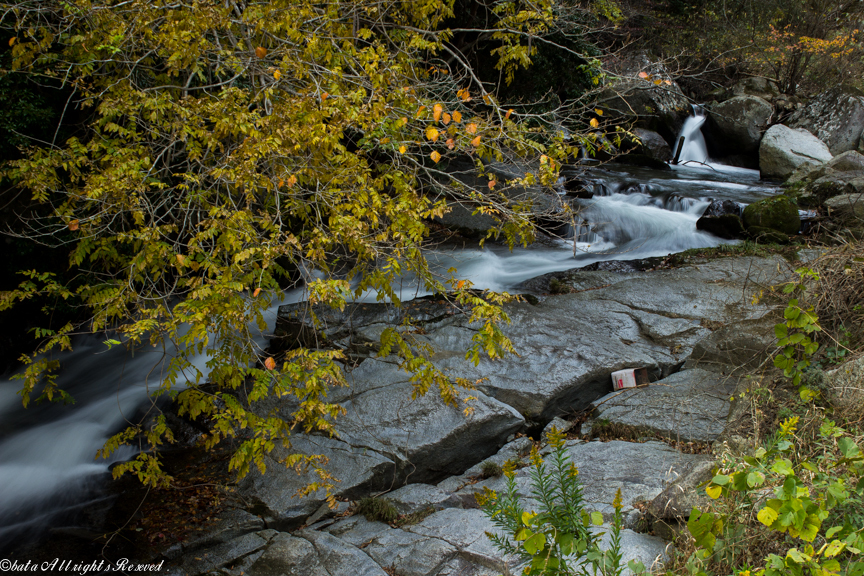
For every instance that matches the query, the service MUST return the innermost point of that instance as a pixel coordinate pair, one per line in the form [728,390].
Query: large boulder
[836,117]
[653,145]
[778,213]
[784,149]
[736,125]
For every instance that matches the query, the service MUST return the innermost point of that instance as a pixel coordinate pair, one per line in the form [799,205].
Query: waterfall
[694,143]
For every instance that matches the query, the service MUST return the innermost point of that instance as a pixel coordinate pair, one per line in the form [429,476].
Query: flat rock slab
[691,405]
[640,470]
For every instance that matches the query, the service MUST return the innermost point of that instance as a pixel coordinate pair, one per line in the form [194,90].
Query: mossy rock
[779,213]
[762,235]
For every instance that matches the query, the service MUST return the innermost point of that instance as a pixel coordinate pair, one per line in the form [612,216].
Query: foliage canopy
[233,149]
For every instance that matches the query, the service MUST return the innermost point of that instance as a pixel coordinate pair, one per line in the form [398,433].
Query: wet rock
[783,150]
[778,213]
[836,117]
[274,494]
[461,217]
[736,125]
[728,226]
[691,405]
[723,208]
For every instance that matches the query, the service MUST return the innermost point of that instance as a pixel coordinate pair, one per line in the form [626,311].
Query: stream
[47,469]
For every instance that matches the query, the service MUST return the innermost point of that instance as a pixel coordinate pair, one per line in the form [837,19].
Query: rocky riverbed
[690,326]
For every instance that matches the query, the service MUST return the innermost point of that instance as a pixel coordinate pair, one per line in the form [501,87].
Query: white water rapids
[47,466]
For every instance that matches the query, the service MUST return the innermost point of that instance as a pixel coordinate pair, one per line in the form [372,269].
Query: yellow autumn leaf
[594,123]
[464,95]
[404,120]
[472,128]
[486,98]
[476,141]
[432,133]
[445,118]
[658,82]
[436,112]
[420,111]
[435,156]
[292,180]
[457,116]
[714,491]
[543,159]
[12,40]
[181,259]
[402,149]
[277,74]
[598,111]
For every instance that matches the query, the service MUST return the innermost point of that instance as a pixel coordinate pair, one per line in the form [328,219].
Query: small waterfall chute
[694,149]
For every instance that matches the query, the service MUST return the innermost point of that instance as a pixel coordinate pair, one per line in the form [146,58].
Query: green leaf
[720,480]
[596,518]
[535,543]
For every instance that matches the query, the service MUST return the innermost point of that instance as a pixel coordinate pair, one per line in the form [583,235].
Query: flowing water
[47,466]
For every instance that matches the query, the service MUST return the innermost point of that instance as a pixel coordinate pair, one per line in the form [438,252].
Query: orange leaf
[472,128]
[270,363]
[12,40]
[476,141]
[420,110]
[73,225]
[260,52]
[436,112]
[460,284]
[325,95]
[450,143]
[464,95]
[543,159]
[492,184]
[507,115]
[435,156]
[256,292]
[404,120]
[658,82]
[292,180]
[432,133]
[457,116]
[445,118]
[594,123]
[643,75]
